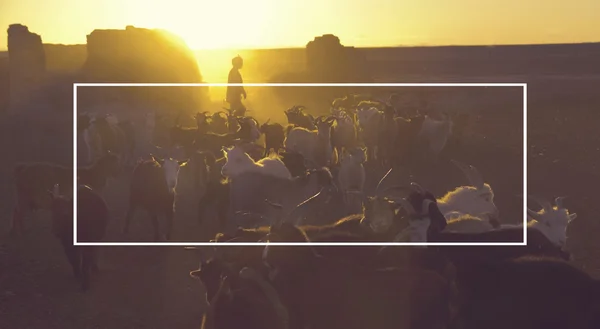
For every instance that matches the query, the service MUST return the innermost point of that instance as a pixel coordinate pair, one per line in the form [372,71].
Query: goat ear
[572,216]
[533,214]
[195,274]
[272,154]
[182,163]
[157,159]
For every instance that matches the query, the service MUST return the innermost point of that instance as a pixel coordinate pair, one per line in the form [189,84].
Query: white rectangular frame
[185,244]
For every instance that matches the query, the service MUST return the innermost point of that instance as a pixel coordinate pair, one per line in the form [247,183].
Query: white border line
[299,244]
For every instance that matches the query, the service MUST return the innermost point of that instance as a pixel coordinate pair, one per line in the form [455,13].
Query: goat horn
[559,201]
[298,206]
[417,188]
[382,179]
[396,187]
[470,172]
[478,178]
[541,201]
[532,213]
[407,206]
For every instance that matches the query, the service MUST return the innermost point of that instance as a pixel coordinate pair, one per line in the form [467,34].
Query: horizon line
[364,47]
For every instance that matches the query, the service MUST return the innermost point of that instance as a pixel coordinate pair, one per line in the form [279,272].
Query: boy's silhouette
[235,93]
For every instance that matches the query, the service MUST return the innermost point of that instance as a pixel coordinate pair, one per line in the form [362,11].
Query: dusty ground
[149,287]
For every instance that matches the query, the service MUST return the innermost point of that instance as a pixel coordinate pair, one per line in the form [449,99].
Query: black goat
[153,189]
[274,136]
[92,220]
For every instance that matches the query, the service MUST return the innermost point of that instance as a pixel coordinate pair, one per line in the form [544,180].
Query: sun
[219,24]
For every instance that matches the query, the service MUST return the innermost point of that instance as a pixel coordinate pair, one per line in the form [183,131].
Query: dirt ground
[149,287]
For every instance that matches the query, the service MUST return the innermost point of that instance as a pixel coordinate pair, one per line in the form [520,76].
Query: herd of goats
[307,183]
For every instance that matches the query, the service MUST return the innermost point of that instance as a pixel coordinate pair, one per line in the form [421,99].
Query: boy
[235,93]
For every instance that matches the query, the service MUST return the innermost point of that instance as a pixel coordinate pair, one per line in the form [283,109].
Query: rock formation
[327,60]
[145,56]
[27,63]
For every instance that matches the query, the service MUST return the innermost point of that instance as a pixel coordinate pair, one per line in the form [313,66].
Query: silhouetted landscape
[151,287]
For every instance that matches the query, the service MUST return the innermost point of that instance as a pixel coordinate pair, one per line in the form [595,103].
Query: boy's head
[237,62]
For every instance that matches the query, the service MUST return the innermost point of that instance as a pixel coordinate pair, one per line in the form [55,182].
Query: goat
[552,221]
[297,117]
[328,292]
[246,294]
[215,142]
[484,273]
[92,220]
[217,190]
[129,141]
[294,161]
[369,123]
[387,137]
[218,123]
[435,134]
[376,223]
[239,162]
[537,243]
[351,174]
[183,136]
[202,121]
[32,180]
[475,200]
[105,134]
[459,128]
[153,188]
[253,127]
[344,135]
[274,136]
[249,189]
[315,146]
[30,183]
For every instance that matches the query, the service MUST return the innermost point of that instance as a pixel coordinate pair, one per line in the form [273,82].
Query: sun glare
[228,24]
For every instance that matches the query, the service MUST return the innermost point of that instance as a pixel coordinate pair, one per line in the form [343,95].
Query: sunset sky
[285,23]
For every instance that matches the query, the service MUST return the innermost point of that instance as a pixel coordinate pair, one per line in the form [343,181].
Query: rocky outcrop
[27,63]
[4,82]
[146,56]
[327,60]
[64,58]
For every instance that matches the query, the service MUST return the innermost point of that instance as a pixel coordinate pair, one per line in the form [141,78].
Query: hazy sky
[292,23]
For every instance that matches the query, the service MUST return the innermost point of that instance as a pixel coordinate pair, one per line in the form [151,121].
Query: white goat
[239,162]
[344,134]
[369,123]
[552,221]
[366,115]
[171,170]
[436,133]
[314,145]
[469,208]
